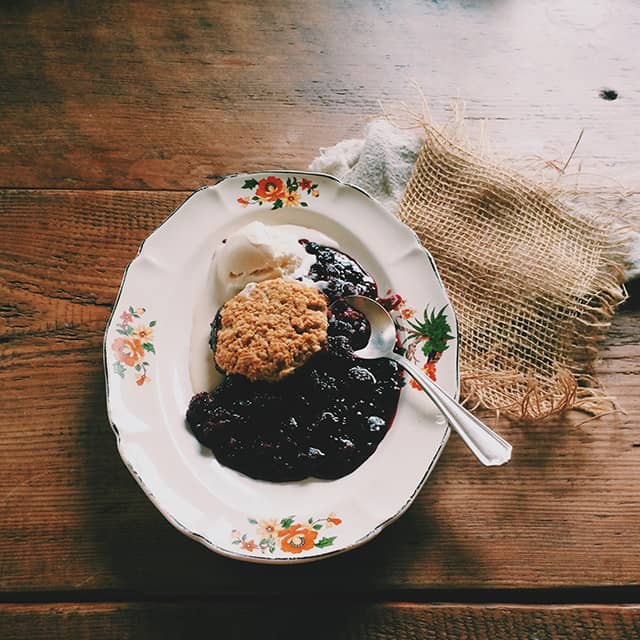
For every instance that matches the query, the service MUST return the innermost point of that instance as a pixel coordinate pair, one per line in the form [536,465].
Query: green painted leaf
[317,527]
[119,369]
[310,520]
[313,186]
[145,364]
[435,328]
[304,204]
[147,346]
[255,198]
[153,323]
[277,204]
[129,330]
[428,351]
[131,310]
[121,332]
[250,184]
[325,542]
[138,367]
[253,521]
[285,523]
[237,541]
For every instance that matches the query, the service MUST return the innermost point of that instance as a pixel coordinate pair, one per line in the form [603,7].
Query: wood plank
[172,95]
[318,620]
[564,512]
[62,254]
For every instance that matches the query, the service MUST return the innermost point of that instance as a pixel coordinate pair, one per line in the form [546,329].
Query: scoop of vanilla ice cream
[259,252]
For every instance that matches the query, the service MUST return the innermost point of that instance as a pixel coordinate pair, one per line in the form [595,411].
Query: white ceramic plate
[154,340]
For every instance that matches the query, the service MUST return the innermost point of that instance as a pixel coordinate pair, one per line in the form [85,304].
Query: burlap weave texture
[533,285]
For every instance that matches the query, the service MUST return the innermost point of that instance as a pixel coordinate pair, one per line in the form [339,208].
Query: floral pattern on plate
[277,193]
[196,496]
[286,535]
[133,345]
[426,338]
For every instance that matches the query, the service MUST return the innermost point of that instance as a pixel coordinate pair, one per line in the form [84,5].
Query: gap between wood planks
[214,180]
[596,595]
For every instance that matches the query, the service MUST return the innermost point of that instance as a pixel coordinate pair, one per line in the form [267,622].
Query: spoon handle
[488,446]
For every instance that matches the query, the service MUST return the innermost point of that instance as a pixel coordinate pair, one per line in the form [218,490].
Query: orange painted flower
[315,193]
[244,202]
[297,538]
[141,379]
[128,351]
[305,184]
[291,199]
[270,189]
[408,313]
[143,332]
[140,310]
[332,520]
[248,545]
[430,369]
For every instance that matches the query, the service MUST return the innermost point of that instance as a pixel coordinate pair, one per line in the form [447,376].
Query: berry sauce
[326,418]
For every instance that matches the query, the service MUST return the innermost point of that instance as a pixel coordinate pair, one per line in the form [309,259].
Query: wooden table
[110,115]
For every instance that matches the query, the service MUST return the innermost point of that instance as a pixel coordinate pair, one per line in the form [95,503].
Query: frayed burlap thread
[534,286]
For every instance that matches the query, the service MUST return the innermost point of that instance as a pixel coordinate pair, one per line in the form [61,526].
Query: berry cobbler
[295,401]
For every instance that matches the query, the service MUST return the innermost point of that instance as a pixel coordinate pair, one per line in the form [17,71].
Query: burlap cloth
[534,286]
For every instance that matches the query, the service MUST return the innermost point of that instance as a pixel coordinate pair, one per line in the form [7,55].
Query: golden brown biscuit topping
[270,329]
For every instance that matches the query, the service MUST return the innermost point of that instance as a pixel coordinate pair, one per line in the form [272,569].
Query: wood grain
[339,621]
[171,95]
[109,117]
[564,512]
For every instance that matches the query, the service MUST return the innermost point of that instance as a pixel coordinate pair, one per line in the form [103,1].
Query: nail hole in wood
[608,94]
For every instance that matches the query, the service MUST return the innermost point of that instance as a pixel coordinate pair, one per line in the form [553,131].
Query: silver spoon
[487,445]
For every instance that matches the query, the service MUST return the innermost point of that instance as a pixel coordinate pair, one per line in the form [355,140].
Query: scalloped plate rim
[198,537]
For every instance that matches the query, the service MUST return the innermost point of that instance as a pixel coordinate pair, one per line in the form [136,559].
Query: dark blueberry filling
[341,273]
[325,419]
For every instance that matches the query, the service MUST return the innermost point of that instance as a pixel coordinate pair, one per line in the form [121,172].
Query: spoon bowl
[488,446]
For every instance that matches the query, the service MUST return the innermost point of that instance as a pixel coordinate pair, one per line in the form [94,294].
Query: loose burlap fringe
[534,285]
